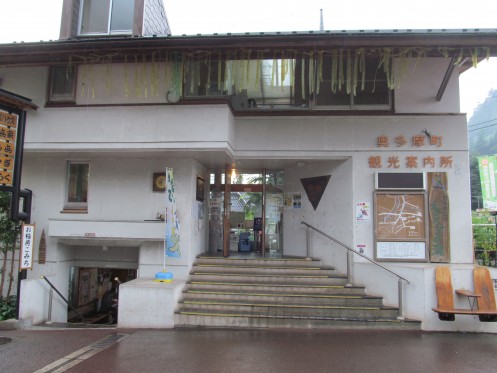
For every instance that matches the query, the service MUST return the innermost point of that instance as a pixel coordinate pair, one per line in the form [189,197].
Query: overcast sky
[35,20]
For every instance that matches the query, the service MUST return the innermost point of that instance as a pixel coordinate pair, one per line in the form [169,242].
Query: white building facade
[139,106]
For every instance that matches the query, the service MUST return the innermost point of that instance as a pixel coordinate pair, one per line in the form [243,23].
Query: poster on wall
[362,212]
[172,241]
[438,208]
[292,200]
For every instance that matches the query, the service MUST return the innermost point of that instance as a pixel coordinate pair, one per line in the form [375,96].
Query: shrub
[7,308]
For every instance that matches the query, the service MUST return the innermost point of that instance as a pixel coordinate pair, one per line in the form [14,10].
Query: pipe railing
[52,287]
[350,251]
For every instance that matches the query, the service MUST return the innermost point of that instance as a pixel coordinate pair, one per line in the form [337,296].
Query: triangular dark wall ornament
[314,188]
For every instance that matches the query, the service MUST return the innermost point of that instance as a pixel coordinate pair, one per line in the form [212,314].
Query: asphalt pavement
[249,350]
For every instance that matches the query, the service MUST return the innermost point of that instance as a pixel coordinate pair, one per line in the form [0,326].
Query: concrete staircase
[279,293]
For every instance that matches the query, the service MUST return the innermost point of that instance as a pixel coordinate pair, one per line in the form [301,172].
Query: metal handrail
[64,299]
[351,250]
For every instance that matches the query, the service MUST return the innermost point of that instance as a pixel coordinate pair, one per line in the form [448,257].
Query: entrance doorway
[246,212]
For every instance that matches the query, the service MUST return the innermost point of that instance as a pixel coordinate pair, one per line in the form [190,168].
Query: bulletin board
[400,226]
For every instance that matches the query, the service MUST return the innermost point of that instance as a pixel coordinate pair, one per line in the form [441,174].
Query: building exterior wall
[125,140]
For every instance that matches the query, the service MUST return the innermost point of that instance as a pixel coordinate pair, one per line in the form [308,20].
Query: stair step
[287,293]
[263,269]
[300,310]
[303,262]
[266,278]
[275,297]
[243,321]
[259,286]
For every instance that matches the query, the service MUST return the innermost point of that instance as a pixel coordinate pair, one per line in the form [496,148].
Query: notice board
[400,226]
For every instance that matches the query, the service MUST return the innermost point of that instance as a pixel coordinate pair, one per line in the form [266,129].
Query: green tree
[9,242]
[482,136]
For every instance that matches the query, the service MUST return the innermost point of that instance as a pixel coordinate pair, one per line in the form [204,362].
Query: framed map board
[400,226]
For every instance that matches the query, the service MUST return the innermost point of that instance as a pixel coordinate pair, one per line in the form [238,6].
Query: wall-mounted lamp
[425,131]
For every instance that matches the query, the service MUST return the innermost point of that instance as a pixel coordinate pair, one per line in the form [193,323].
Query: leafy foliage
[484,237]
[482,136]
[7,308]
[9,239]
[9,230]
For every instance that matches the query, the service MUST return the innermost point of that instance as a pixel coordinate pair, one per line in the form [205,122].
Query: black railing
[63,298]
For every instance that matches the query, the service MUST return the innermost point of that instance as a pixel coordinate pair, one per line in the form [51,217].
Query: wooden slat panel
[483,286]
[445,294]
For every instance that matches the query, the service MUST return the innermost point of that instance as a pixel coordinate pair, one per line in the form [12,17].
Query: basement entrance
[245,212]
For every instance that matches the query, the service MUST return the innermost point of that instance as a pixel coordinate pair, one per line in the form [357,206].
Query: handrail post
[400,317]
[50,298]
[308,242]
[349,270]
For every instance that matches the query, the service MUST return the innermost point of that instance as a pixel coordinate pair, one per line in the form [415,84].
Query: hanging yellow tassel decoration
[247,67]
[126,77]
[362,68]
[292,70]
[312,77]
[474,56]
[320,71]
[144,75]
[83,78]
[355,72]
[334,71]
[349,73]
[107,76]
[340,71]
[219,71]
[302,77]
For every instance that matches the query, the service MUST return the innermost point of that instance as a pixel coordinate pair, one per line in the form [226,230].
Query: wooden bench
[484,294]
[487,310]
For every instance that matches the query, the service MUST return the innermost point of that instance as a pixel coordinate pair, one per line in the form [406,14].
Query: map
[400,217]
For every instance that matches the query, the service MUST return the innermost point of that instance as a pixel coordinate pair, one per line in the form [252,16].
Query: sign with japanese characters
[488,168]
[420,141]
[26,252]
[8,136]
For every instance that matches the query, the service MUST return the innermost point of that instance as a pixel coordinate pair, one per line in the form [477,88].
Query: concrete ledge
[144,303]
[11,324]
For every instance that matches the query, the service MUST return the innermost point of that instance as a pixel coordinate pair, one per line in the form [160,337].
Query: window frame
[70,205]
[109,22]
[352,105]
[56,98]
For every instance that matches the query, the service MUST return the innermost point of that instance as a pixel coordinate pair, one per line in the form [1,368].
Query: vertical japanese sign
[488,166]
[171,217]
[8,134]
[26,252]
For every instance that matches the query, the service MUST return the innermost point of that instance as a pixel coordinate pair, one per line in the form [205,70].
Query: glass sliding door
[245,212]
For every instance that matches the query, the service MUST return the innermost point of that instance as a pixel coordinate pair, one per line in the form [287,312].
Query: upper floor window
[365,87]
[62,84]
[323,82]
[106,17]
[77,186]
